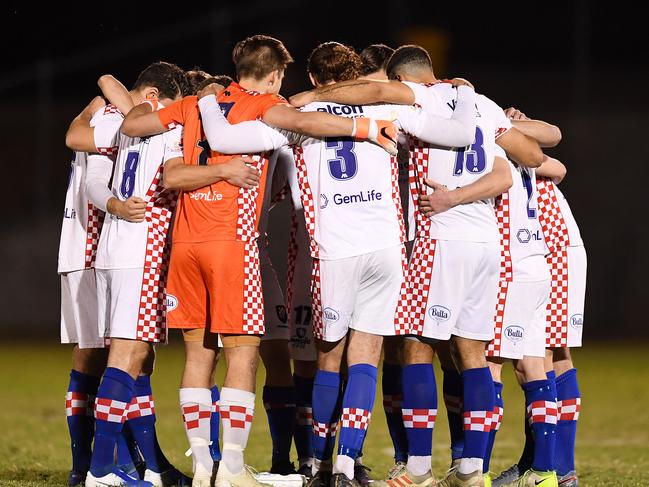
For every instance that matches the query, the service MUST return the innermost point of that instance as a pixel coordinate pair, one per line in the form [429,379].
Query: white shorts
[298,294]
[132,304]
[275,319]
[359,292]
[565,312]
[451,289]
[519,323]
[79,310]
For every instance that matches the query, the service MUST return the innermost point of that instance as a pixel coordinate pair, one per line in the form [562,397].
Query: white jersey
[574,235]
[522,245]
[82,220]
[138,172]
[455,168]
[350,189]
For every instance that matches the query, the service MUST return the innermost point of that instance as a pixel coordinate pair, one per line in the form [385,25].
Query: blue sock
[141,420]
[279,403]
[452,389]
[391,385]
[542,415]
[525,461]
[419,407]
[303,428]
[552,381]
[357,405]
[496,419]
[81,422]
[479,400]
[568,405]
[215,425]
[113,398]
[127,452]
[326,412]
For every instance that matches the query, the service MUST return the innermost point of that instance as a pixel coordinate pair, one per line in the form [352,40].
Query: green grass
[612,443]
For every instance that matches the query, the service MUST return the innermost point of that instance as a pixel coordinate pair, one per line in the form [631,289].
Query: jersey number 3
[473,157]
[344,165]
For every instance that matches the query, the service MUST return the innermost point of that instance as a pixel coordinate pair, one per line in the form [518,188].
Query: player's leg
[392,389]
[452,394]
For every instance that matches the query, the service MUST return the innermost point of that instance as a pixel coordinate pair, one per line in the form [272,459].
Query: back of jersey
[349,189]
[455,168]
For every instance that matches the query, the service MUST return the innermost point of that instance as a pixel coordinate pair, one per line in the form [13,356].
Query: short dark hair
[168,78]
[258,56]
[407,57]
[222,79]
[195,77]
[332,61]
[375,57]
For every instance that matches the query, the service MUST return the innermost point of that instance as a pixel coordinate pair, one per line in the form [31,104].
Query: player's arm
[457,131]
[79,136]
[358,92]
[116,93]
[521,148]
[553,169]
[187,177]
[546,134]
[490,185]
[143,121]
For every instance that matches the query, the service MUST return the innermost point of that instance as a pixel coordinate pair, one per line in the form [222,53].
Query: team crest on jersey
[171,302]
[282,316]
[324,201]
[577,320]
[331,315]
[439,313]
[514,333]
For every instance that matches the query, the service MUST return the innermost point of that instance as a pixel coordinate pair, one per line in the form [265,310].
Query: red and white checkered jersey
[520,229]
[454,168]
[81,219]
[138,172]
[350,189]
[574,234]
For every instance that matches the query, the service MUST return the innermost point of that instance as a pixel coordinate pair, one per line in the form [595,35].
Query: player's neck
[251,84]
[422,78]
[136,97]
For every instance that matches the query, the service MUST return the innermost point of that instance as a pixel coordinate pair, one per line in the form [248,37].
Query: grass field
[612,444]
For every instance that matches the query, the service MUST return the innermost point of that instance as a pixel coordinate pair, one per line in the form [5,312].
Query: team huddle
[426,220]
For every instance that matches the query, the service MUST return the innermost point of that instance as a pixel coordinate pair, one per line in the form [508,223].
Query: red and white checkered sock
[237,410]
[196,407]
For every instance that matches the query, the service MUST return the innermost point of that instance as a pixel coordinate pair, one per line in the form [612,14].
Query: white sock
[196,407]
[320,465]
[470,465]
[419,465]
[344,464]
[237,410]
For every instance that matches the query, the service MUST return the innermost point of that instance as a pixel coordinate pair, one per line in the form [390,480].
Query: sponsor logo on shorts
[514,333]
[282,316]
[439,313]
[330,314]
[577,320]
[360,197]
[172,302]
[209,196]
[324,201]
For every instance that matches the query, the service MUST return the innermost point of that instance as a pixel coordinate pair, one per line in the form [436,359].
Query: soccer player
[357,236]
[214,278]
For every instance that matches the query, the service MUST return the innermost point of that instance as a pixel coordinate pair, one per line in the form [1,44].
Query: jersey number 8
[128,177]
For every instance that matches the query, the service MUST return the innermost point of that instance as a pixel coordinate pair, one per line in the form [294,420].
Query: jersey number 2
[473,157]
[128,177]
[527,182]
[344,165]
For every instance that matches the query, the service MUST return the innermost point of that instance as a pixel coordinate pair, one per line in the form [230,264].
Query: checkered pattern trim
[247,204]
[392,403]
[193,414]
[356,418]
[79,404]
[325,430]
[496,418]
[253,296]
[304,415]
[493,349]
[542,412]
[396,197]
[316,301]
[417,173]
[215,408]
[453,403]
[111,109]
[108,151]
[93,229]
[415,297]
[553,226]
[477,421]
[280,195]
[278,405]
[236,416]
[141,406]
[308,201]
[504,227]
[556,326]
[568,409]
[290,264]
[110,410]
[152,315]
[419,418]
[402,315]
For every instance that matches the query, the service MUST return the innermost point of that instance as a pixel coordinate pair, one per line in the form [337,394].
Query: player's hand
[300,99]
[515,114]
[382,132]
[211,89]
[461,82]
[439,201]
[238,172]
[132,210]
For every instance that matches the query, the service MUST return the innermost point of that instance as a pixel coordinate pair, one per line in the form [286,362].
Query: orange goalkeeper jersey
[219,211]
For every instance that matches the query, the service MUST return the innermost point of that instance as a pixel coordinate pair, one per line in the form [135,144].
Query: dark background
[581,65]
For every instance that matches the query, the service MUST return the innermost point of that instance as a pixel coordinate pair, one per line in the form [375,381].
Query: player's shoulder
[107,112]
